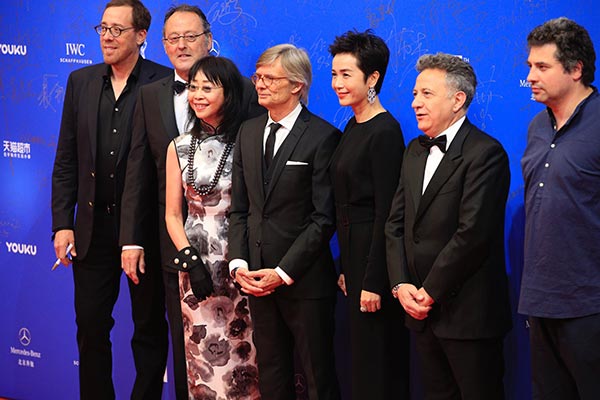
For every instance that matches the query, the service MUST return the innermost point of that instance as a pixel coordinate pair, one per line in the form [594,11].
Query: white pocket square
[290,162]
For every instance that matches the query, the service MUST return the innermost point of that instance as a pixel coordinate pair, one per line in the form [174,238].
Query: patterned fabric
[220,354]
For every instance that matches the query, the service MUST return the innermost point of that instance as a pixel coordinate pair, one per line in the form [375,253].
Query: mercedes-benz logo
[299,383]
[24,336]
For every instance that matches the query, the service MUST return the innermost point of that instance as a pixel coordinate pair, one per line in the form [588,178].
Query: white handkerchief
[290,162]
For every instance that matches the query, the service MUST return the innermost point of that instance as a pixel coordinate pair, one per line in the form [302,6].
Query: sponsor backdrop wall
[41,42]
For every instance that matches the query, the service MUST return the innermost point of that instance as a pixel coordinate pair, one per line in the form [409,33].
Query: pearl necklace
[203,190]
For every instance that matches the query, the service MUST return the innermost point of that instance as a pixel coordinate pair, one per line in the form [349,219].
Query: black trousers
[173,302]
[453,369]
[565,357]
[306,325]
[97,281]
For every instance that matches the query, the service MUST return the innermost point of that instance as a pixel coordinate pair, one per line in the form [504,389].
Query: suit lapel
[166,104]
[144,78]
[255,144]
[95,92]
[416,159]
[451,160]
[286,149]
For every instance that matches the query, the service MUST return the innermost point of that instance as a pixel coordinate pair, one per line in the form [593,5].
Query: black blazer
[153,129]
[450,240]
[289,221]
[73,177]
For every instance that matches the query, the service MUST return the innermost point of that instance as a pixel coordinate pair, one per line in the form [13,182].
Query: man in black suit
[281,220]
[445,238]
[89,175]
[161,115]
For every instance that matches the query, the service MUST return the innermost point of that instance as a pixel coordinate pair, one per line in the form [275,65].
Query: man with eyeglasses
[88,179]
[160,116]
[281,219]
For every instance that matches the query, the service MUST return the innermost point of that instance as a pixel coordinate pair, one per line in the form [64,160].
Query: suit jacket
[450,240]
[73,177]
[153,129]
[288,221]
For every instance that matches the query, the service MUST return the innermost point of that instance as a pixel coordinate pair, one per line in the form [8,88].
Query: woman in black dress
[365,170]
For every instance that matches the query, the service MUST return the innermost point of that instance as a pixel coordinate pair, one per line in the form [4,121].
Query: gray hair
[295,63]
[459,73]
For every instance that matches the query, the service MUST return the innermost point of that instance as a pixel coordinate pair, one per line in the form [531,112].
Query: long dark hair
[221,71]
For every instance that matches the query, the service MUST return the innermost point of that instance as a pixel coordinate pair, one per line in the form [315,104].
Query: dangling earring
[371,94]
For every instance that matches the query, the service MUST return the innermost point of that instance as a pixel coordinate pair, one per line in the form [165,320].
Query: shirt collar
[289,120]
[452,130]
[178,78]
[133,76]
[575,112]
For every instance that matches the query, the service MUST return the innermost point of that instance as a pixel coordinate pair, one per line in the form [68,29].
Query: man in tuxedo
[88,176]
[161,115]
[281,220]
[445,238]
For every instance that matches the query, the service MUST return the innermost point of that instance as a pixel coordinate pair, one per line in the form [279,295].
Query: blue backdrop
[41,42]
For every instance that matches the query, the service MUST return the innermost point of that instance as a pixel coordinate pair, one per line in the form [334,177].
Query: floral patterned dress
[220,354]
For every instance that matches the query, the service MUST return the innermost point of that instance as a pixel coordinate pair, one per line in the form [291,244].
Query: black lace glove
[188,260]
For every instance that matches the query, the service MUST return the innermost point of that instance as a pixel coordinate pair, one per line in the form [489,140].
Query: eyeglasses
[190,37]
[267,80]
[115,31]
[205,89]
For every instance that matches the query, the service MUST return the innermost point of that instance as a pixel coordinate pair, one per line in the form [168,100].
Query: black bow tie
[428,143]
[179,86]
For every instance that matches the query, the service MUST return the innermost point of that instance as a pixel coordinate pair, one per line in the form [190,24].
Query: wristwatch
[395,290]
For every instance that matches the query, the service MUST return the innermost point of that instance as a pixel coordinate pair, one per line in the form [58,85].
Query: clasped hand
[416,302]
[258,283]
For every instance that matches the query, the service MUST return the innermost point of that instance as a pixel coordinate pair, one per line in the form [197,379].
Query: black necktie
[179,86]
[428,143]
[270,146]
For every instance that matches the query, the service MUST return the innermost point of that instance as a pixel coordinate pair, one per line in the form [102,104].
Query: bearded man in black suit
[89,176]
[445,238]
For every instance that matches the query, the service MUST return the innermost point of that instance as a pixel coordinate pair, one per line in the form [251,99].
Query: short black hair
[371,52]
[573,44]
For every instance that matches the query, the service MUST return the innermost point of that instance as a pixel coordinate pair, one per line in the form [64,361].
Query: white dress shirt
[435,154]
[181,108]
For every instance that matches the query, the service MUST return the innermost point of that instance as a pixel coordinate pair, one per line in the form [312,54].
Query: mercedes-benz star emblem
[24,336]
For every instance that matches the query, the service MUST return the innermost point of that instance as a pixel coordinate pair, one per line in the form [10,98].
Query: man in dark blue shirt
[560,289]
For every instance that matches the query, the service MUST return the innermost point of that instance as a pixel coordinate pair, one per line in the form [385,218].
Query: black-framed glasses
[115,31]
[188,37]
[267,80]
[205,88]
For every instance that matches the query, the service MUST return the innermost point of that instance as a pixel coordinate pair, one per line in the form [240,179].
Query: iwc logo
[75,54]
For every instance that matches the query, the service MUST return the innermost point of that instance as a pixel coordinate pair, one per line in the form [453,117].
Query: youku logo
[13,49]
[20,248]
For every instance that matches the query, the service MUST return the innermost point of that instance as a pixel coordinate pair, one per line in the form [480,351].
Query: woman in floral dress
[220,355]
